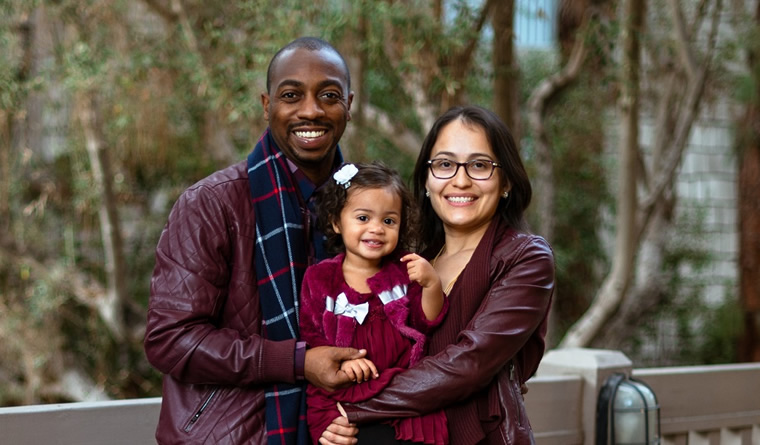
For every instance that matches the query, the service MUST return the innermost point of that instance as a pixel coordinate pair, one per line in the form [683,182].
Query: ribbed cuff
[300,359]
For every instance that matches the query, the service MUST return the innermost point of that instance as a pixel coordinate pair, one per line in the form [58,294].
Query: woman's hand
[339,432]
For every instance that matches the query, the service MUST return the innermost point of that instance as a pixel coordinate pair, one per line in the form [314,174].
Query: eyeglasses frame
[494,166]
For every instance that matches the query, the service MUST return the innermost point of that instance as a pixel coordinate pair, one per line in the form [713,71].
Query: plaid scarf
[281,258]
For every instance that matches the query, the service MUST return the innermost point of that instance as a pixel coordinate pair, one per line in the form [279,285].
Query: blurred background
[638,121]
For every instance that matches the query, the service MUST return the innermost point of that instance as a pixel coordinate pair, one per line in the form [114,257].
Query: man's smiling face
[308,107]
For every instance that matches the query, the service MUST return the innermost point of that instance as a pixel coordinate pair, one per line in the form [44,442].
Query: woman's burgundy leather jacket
[204,319]
[499,349]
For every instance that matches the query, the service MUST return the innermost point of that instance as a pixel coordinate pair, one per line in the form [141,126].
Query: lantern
[627,413]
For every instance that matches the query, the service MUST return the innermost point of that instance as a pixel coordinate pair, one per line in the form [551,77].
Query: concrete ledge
[118,422]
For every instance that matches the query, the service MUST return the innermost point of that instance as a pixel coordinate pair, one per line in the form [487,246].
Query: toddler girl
[370,296]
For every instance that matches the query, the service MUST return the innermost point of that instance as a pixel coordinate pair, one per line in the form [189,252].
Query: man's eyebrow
[331,82]
[289,82]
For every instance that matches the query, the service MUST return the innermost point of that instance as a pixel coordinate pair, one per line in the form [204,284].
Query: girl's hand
[359,370]
[339,432]
[420,270]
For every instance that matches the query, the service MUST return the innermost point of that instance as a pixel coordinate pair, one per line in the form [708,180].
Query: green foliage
[683,328]
[722,329]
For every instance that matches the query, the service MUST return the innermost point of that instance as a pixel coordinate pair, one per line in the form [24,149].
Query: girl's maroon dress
[393,330]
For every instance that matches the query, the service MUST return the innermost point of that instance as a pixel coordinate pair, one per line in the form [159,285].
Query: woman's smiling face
[464,204]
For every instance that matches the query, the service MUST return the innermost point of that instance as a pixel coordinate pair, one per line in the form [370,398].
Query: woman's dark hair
[512,172]
[332,197]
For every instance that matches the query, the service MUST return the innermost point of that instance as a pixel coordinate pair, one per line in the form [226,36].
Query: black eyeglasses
[478,169]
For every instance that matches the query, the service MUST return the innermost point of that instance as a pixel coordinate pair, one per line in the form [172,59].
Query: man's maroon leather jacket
[204,319]
[498,350]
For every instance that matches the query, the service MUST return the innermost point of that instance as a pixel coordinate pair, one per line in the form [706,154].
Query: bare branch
[158,7]
[682,39]
[412,82]
[110,228]
[403,138]
[537,104]
[466,54]
[686,118]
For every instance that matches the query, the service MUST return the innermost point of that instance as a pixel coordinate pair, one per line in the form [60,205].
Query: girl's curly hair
[332,197]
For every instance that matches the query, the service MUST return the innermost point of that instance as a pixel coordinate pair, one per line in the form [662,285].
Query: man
[222,318]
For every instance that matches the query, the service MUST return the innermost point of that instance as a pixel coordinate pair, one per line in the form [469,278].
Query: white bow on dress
[341,306]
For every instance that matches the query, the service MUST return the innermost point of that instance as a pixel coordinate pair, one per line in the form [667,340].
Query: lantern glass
[635,414]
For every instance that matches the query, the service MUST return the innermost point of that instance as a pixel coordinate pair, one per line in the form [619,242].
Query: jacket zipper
[200,411]
[517,392]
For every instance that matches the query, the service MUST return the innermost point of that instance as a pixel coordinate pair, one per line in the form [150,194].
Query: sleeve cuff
[300,359]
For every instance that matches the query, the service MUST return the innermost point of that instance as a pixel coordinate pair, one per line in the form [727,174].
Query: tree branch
[403,138]
[166,13]
[537,104]
[686,118]
[682,39]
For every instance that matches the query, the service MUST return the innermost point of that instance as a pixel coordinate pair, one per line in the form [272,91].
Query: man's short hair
[311,44]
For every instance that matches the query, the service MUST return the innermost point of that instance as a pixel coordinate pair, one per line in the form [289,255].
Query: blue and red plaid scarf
[281,258]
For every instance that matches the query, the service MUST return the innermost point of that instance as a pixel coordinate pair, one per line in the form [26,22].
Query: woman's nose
[461,178]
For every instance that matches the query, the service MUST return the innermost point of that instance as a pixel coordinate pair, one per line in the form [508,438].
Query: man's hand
[359,370]
[339,432]
[322,366]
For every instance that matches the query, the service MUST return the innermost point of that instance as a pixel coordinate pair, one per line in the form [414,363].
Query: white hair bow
[345,174]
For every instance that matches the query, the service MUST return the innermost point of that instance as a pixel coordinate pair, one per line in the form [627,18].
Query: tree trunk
[749,241]
[505,82]
[358,62]
[614,287]
[112,309]
[749,217]
[6,124]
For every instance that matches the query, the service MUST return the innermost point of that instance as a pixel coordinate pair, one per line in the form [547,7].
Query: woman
[499,280]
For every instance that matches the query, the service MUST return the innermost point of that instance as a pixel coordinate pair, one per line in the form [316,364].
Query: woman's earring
[427,193]
[505,195]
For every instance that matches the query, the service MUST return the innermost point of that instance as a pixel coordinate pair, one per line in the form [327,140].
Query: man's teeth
[460,198]
[310,134]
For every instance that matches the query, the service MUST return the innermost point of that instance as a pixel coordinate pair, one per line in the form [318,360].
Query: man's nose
[311,108]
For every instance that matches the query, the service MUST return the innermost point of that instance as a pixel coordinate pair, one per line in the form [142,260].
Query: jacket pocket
[200,409]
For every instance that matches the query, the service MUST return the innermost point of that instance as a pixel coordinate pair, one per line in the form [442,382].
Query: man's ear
[265,104]
[349,100]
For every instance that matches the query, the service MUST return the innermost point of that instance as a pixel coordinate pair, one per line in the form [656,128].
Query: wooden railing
[701,405]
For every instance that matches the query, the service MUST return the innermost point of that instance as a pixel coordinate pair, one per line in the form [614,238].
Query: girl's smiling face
[369,225]
[464,204]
